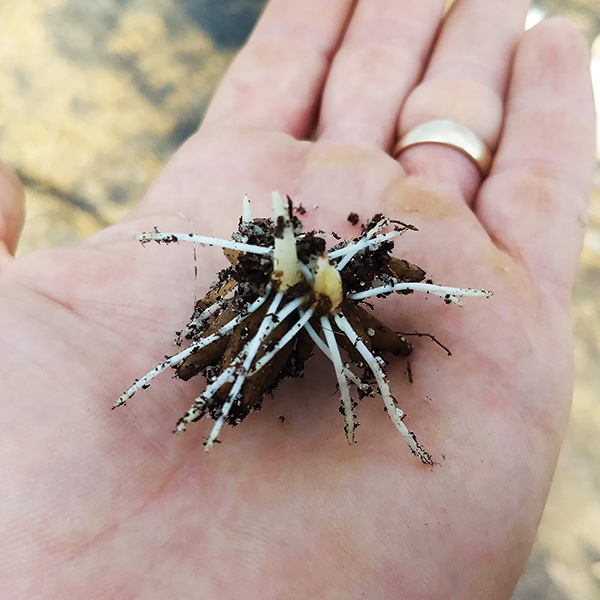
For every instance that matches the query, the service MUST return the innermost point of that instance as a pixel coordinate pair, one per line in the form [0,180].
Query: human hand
[102,504]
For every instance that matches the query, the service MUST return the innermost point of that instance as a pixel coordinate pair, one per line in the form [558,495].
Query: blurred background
[97,95]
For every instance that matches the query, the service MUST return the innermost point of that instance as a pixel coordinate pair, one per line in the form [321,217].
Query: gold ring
[448,133]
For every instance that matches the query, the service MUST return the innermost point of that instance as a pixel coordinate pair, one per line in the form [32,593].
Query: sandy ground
[97,95]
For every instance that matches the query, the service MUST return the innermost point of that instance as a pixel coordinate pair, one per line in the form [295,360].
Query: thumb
[12,213]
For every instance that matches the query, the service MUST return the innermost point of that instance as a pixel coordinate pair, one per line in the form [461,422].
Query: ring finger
[465,81]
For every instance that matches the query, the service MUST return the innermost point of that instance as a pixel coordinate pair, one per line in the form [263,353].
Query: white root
[318,234]
[202,318]
[338,366]
[289,335]
[306,272]
[357,246]
[197,408]
[325,350]
[178,358]
[447,293]
[248,354]
[395,413]
[348,252]
[252,346]
[205,240]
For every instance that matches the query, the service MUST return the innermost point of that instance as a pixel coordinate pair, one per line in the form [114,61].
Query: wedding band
[448,133]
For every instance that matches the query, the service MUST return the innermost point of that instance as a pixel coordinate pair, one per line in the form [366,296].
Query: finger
[465,82]
[380,59]
[275,81]
[12,212]
[534,203]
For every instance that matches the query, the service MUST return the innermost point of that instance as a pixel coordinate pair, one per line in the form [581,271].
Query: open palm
[108,504]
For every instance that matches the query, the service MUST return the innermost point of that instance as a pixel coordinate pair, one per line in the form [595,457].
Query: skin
[108,504]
